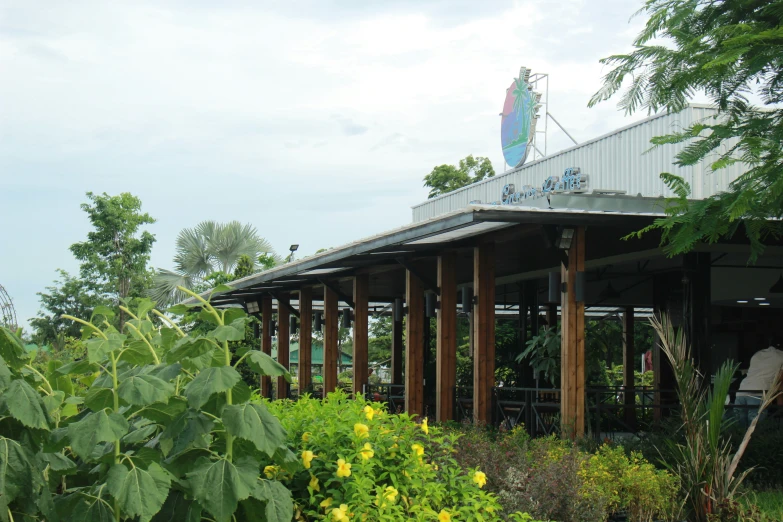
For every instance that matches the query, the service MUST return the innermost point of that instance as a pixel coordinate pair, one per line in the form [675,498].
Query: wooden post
[283,342]
[397,357]
[266,341]
[305,339]
[629,394]
[446,351]
[331,334]
[361,294]
[572,347]
[414,355]
[484,332]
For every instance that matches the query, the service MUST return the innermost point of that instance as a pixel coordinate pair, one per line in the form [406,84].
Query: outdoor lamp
[566,238]
[272,326]
[608,293]
[252,307]
[292,326]
[467,300]
[430,304]
[346,318]
[318,320]
[398,310]
[580,283]
[554,287]
[292,248]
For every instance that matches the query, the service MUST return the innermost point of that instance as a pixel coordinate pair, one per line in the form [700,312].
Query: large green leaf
[95,428]
[16,473]
[57,380]
[253,422]
[165,339]
[230,315]
[58,462]
[98,348]
[190,347]
[177,508]
[140,493]
[262,363]
[77,368]
[220,485]
[164,412]
[98,398]
[105,311]
[137,353]
[167,372]
[5,375]
[85,506]
[229,332]
[279,506]
[12,349]
[190,429]
[144,306]
[210,381]
[25,405]
[139,435]
[143,390]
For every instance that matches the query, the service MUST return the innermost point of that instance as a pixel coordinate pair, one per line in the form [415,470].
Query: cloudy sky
[313,120]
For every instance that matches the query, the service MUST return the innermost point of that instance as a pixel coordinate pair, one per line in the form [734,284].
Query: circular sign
[517,126]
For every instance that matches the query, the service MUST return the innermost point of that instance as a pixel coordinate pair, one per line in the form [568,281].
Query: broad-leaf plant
[165,431]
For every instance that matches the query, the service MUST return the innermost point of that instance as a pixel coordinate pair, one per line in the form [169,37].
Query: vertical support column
[572,348]
[484,332]
[397,358]
[331,334]
[305,339]
[266,341]
[283,342]
[446,347]
[361,294]
[629,351]
[414,355]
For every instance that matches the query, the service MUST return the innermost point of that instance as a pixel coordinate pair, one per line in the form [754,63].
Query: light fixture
[580,284]
[292,326]
[272,327]
[467,300]
[764,304]
[777,288]
[608,293]
[252,307]
[742,301]
[566,238]
[292,248]
[317,321]
[398,311]
[346,318]
[430,304]
[759,298]
[554,287]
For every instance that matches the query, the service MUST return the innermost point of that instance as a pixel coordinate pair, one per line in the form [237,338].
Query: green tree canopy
[447,178]
[733,52]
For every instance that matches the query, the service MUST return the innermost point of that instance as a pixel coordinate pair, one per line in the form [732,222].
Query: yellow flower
[343,468]
[306,436]
[418,449]
[307,458]
[390,494]
[367,452]
[326,503]
[369,412]
[444,516]
[361,430]
[270,471]
[314,483]
[479,478]
[424,427]
[340,513]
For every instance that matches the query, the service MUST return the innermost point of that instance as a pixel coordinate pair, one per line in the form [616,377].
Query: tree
[447,178]
[731,51]
[116,252]
[207,248]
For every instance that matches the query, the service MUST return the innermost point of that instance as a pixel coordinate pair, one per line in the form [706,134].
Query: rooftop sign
[572,181]
[518,119]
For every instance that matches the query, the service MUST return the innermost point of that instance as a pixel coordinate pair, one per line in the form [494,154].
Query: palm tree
[204,250]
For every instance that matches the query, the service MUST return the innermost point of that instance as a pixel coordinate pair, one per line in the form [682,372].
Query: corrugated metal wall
[616,161]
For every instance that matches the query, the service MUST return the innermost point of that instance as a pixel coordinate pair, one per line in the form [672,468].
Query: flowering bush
[360,463]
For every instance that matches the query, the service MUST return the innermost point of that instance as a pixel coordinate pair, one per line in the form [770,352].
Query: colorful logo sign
[518,123]
[573,181]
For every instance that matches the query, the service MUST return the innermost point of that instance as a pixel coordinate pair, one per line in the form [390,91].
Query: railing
[392,394]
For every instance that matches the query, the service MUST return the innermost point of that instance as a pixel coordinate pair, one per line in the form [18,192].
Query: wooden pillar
[628,368]
[397,357]
[484,332]
[414,354]
[446,345]
[305,339]
[361,294]
[283,342]
[331,334]
[266,341]
[572,347]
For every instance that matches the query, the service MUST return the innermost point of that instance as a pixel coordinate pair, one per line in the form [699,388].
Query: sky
[313,120]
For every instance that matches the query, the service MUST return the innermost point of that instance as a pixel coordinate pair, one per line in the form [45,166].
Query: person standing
[765,365]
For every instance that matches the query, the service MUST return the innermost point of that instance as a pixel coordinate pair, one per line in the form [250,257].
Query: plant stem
[141,336]
[85,323]
[39,374]
[115,389]
[170,322]
[203,301]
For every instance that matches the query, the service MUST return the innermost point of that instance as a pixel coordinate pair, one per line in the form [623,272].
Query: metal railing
[391,394]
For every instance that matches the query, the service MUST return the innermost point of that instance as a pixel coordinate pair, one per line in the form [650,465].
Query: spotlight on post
[292,248]
[252,307]
[467,300]
[398,310]
[292,325]
[554,287]
[566,238]
[272,327]
[317,321]
[430,304]
[346,318]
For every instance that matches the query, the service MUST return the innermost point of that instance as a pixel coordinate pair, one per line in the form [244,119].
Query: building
[541,240]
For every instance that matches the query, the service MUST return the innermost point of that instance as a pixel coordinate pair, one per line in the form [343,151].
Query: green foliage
[447,178]
[244,267]
[163,431]
[727,50]
[543,352]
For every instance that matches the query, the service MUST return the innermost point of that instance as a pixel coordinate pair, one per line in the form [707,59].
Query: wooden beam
[446,353]
[331,334]
[283,342]
[305,339]
[414,354]
[266,341]
[628,368]
[484,332]
[361,292]
[398,350]
[572,347]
